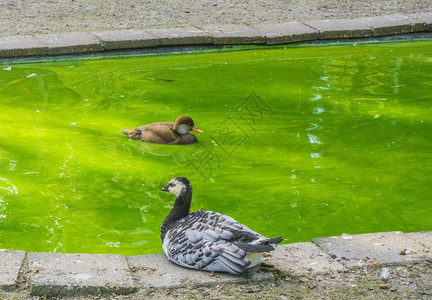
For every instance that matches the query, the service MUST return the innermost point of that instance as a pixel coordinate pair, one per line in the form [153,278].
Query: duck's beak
[165,188]
[197,130]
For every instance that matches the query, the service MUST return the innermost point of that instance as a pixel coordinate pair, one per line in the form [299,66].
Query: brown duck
[166,132]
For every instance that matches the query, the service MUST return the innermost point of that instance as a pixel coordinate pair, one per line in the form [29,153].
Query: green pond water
[301,142]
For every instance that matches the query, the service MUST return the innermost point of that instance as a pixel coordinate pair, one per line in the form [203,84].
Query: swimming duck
[166,132]
[207,240]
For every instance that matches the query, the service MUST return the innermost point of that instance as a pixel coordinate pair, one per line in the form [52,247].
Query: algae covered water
[300,142]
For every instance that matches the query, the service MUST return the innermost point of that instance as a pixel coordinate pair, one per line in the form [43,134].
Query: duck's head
[177,186]
[185,124]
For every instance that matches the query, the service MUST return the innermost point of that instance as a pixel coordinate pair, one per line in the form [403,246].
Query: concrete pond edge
[213,35]
[63,274]
[66,274]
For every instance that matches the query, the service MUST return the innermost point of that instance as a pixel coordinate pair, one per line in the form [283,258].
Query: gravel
[29,17]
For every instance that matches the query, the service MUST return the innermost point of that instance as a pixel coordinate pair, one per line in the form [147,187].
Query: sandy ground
[27,17]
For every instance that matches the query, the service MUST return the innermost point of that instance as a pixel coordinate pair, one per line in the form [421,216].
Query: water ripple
[7,187]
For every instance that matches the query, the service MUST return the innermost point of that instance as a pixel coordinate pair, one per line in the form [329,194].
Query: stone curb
[282,33]
[385,248]
[60,274]
[10,266]
[65,275]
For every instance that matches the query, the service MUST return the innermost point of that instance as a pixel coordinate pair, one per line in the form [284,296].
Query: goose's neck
[180,210]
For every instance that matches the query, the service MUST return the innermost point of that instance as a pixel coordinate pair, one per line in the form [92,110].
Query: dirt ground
[397,282]
[27,17]
[403,282]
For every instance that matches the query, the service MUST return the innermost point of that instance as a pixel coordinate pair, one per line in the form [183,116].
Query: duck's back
[207,240]
[164,124]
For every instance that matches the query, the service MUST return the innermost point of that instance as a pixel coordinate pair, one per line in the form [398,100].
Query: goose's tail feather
[251,248]
[275,240]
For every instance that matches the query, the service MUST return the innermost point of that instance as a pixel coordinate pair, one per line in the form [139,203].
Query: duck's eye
[189,124]
[171,184]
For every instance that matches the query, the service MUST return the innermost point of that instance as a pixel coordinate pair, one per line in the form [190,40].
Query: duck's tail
[133,133]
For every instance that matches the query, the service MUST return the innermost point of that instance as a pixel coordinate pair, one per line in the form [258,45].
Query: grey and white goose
[207,240]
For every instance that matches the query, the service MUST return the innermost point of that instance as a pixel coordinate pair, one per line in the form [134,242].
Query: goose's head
[177,186]
[185,124]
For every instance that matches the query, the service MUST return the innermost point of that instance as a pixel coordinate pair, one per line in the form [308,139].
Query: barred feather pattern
[207,240]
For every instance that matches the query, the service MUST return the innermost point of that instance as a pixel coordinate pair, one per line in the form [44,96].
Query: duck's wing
[160,132]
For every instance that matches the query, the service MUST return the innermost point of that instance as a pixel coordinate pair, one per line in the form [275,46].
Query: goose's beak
[197,130]
[165,188]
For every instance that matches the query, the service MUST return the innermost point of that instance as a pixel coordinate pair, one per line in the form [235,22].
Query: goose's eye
[189,124]
[171,184]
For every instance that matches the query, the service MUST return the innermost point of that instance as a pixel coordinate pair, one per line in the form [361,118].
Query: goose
[207,240]
[166,132]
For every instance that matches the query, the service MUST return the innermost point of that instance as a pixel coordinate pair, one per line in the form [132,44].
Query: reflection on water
[302,143]
[7,188]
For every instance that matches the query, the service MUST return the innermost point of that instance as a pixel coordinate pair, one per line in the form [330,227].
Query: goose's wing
[240,232]
[195,243]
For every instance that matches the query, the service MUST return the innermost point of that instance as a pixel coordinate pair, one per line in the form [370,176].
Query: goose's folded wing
[206,250]
[228,258]
[240,233]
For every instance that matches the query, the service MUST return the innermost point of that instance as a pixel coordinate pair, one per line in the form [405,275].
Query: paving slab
[302,259]
[10,265]
[70,43]
[155,271]
[425,18]
[234,34]
[59,274]
[126,39]
[423,237]
[289,32]
[341,28]
[181,36]
[385,248]
[393,24]
[16,46]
